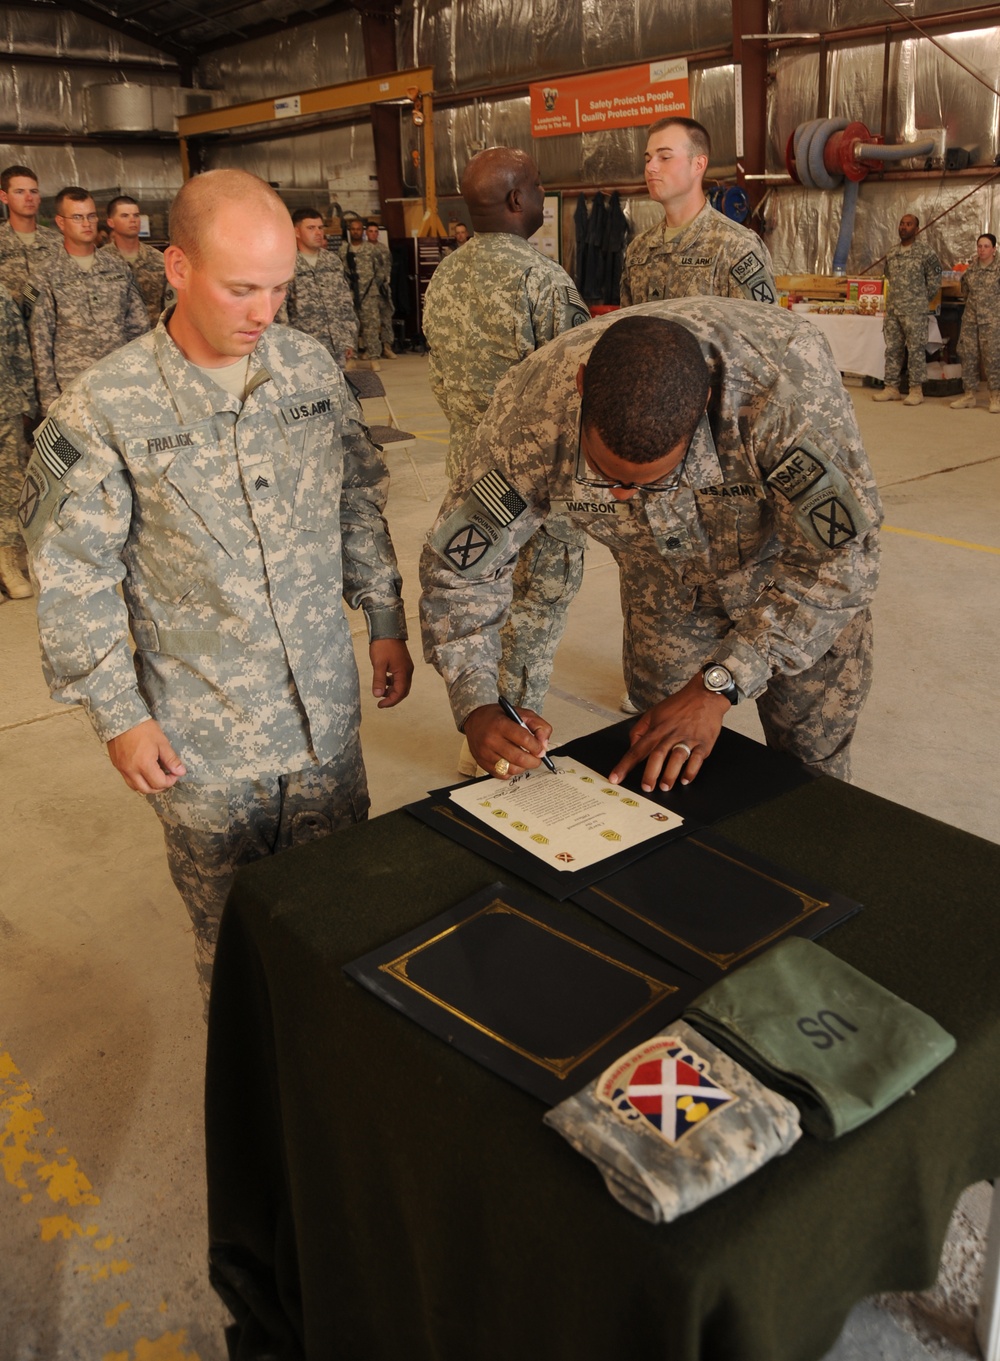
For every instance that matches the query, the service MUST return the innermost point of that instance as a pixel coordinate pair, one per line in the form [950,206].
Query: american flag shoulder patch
[499,498]
[54,449]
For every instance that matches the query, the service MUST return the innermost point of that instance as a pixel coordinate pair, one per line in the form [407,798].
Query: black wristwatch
[719,681]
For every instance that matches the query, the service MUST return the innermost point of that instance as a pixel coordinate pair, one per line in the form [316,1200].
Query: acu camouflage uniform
[981,325]
[763,556]
[79,316]
[17,400]
[234,530]
[19,262]
[914,276]
[386,310]
[711,255]
[364,271]
[488,307]
[150,276]
[319,302]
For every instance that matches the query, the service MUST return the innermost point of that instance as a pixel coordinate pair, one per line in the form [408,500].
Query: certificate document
[571,819]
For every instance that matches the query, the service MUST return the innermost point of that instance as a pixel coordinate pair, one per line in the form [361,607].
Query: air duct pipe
[825,152]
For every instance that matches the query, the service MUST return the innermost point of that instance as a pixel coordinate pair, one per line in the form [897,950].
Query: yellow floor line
[33,1164]
[938,538]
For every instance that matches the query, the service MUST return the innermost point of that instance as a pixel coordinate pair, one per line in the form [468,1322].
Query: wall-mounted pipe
[826,152]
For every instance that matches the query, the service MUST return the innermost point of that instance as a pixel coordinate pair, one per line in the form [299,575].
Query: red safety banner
[630,97]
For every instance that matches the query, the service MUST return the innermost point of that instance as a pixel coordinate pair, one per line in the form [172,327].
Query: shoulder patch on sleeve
[54,449]
[29,295]
[825,506]
[577,310]
[477,536]
[33,492]
[795,472]
[751,276]
[498,498]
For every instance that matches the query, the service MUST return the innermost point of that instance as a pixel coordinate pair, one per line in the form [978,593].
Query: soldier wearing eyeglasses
[84,303]
[710,444]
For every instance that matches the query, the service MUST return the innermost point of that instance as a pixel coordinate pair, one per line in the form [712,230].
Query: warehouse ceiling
[186,29]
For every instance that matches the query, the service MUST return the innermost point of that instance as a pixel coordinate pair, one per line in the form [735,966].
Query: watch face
[718,678]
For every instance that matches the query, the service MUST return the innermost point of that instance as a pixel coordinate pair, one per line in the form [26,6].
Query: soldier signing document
[710,444]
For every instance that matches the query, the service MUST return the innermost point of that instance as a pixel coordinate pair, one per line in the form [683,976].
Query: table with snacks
[856,338]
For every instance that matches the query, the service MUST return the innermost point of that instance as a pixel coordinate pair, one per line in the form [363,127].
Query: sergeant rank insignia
[662,1087]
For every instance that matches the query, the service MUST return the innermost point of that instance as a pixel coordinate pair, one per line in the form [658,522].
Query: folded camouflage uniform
[673,1123]
[842,1047]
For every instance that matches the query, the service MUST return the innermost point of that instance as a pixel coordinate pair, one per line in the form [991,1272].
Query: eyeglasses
[80,217]
[584,475]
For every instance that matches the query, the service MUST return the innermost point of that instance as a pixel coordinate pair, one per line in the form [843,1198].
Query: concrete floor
[101,1037]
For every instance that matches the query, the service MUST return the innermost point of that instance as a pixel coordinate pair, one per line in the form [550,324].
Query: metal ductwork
[824,152]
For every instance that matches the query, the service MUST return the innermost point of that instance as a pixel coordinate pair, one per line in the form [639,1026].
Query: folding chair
[384,428]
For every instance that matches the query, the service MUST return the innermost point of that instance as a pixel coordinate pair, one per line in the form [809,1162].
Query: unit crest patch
[662,1087]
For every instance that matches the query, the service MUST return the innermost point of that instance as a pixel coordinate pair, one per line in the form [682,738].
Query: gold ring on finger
[501,766]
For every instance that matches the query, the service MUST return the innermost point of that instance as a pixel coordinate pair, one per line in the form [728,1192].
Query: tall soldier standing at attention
[18,407]
[488,307]
[319,301]
[913,273]
[386,309]
[24,245]
[219,472]
[694,249]
[363,267]
[146,262]
[87,302]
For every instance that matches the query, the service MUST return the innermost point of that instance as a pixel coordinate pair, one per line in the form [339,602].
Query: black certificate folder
[536,993]
[709,906]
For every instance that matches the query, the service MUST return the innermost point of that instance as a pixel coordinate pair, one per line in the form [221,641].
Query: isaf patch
[662,1087]
[54,449]
[795,472]
[745,269]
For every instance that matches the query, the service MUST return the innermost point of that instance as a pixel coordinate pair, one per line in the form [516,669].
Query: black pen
[511,712]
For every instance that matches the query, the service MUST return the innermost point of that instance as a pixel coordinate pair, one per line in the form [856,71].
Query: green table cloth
[375,1194]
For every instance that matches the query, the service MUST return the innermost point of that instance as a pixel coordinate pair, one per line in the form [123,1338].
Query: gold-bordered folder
[534,991]
[708,906]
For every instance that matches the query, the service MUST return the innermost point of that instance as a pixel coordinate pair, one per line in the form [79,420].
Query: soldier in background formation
[980,337]
[386,309]
[695,249]
[146,262]
[488,307]
[364,269]
[160,469]
[86,301]
[461,234]
[319,301]
[913,274]
[711,445]
[18,407]
[24,245]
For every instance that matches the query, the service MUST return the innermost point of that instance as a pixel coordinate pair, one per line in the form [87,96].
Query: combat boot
[887,394]
[995,403]
[914,397]
[966,399]
[388,352]
[11,578]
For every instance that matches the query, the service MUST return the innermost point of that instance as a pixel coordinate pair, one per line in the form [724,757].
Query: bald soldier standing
[488,307]
[710,444]
[694,249]
[218,471]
